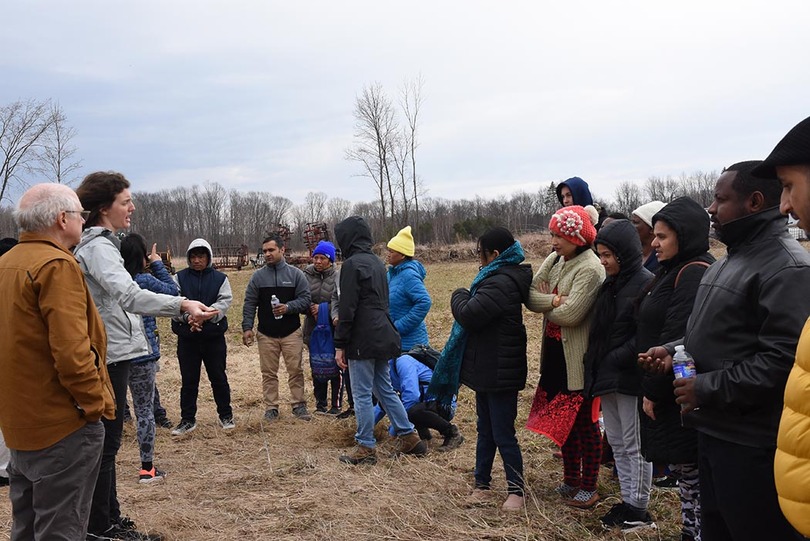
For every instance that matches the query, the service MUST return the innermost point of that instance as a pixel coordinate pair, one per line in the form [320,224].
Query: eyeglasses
[85,214]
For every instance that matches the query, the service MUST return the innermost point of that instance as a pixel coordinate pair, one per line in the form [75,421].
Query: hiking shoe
[360,455]
[410,444]
[3,481]
[227,423]
[150,476]
[271,415]
[184,428]
[583,499]
[346,414]
[615,517]
[333,411]
[665,482]
[163,422]
[637,519]
[452,439]
[320,409]
[126,523]
[301,413]
[116,533]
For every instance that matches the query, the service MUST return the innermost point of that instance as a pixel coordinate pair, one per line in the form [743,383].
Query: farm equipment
[230,257]
[313,233]
[166,257]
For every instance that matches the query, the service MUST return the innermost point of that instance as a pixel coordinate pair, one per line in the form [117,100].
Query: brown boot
[410,444]
[360,455]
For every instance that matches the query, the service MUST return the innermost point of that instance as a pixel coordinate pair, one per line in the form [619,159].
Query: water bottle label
[684,369]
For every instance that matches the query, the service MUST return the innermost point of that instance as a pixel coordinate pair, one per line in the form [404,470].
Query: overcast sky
[259,95]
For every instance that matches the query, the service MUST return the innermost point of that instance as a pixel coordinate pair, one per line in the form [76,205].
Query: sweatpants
[623,429]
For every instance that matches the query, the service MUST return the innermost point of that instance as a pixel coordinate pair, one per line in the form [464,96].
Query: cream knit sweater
[579,279]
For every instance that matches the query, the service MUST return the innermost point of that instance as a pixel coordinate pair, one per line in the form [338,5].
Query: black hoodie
[662,316]
[611,362]
[364,330]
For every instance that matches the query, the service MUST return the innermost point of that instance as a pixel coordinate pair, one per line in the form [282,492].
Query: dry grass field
[284,482]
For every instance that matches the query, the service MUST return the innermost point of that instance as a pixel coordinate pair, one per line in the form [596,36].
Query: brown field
[283,481]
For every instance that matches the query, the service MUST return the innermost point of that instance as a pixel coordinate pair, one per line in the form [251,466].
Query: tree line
[174,217]
[36,143]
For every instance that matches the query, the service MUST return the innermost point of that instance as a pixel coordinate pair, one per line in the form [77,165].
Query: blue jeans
[496,432]
[370,376]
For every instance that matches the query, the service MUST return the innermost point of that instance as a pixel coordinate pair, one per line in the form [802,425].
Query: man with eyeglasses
[54,386]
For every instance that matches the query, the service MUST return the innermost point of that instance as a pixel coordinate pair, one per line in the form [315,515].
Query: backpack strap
[701,263]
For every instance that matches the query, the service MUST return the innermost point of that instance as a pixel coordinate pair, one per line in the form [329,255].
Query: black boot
[452,439]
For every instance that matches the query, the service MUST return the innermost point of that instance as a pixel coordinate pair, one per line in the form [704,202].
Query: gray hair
[39,207]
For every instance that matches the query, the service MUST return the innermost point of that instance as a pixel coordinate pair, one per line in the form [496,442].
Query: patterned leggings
[582,450]
[142,385]
[689,488]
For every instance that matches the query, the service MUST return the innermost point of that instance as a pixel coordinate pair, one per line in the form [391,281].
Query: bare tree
[56,151]
[411,105]
[627,197]
[315,206]
[700,186]
[23,126]
[336,210]
[663,189]
[375,126]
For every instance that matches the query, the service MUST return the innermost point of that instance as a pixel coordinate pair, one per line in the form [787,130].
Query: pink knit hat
[575,224]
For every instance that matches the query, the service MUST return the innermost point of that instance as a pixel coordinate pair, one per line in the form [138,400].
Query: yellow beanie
[403,242]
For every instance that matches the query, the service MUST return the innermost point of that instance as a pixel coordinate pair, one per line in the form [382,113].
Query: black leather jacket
[749,311]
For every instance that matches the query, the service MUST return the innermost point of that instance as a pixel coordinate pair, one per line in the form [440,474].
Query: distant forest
[174,217]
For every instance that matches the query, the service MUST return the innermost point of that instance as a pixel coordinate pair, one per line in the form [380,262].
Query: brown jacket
[53,378]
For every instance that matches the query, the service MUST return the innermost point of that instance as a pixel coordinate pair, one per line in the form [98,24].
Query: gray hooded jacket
[118,297]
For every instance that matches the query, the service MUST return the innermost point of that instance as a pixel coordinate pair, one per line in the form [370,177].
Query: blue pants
[370,376]
[496,432]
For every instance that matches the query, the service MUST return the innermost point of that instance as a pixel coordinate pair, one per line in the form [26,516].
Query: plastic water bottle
[275,302]
[683,365]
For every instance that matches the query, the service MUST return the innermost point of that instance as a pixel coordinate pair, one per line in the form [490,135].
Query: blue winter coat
[409,302]
[160,281]
[410,379]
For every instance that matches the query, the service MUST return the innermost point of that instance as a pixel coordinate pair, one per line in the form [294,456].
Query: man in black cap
[790,162]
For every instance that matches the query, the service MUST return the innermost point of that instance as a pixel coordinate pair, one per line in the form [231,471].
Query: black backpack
[425,355]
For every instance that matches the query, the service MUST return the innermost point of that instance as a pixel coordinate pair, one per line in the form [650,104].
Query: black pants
[737,493]
[105,510]
[424,418]
[211,351]
[320,387]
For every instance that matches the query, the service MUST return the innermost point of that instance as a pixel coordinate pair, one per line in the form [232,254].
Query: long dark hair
[133,250]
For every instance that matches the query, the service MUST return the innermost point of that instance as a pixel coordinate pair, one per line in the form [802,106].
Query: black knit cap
[793,149]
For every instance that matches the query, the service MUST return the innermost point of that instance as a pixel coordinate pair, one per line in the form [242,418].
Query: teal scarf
[445,381]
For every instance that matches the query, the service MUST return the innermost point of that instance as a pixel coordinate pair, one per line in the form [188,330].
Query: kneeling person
[410,379]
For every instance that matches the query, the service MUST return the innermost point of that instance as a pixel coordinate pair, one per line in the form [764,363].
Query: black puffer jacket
[611,362]
[662,315]
[365,330]
[495,353]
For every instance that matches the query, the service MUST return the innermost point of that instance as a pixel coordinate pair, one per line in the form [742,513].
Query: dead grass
[283,481]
